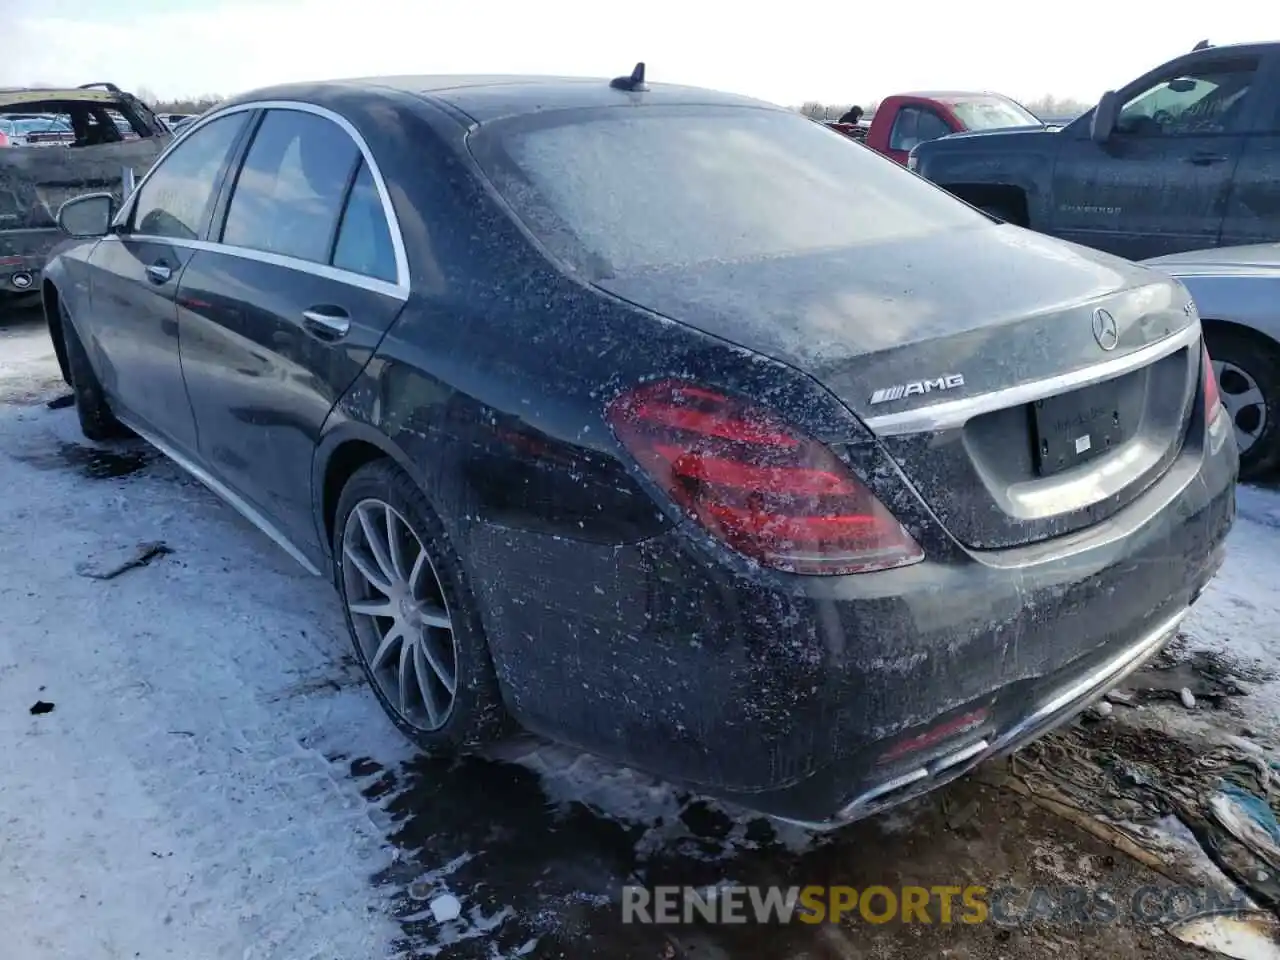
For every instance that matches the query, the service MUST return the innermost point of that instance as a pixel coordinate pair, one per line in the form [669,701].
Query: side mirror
[1103,123]
[87,216]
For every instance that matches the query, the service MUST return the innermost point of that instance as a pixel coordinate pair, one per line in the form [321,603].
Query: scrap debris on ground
[121,560]
[215,783]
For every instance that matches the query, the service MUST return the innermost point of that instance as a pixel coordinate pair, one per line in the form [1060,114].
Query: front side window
[288,195]
[1209,100]
[930,126]
[177,197]
[364,238]
[614,190]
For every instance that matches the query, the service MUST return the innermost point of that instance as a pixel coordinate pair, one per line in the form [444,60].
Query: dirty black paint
[614,621]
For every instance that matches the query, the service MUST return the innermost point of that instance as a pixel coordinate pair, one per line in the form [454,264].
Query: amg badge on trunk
[948,382]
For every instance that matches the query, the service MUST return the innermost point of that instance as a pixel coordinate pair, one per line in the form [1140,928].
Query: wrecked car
[34,183]
[605,420]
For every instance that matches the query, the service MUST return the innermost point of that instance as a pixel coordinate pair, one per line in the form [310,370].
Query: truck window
[1209,99]
[915,124]
[990,113]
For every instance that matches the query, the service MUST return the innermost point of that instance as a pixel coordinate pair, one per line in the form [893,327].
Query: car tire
[97,422]
[1244,362]
[475,713]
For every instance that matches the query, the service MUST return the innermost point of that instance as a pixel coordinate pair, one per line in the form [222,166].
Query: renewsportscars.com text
[939,904]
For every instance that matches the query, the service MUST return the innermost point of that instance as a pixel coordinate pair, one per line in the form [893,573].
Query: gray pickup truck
[111,131]
[1185,157]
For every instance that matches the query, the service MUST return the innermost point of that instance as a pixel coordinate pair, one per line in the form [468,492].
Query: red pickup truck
[905,119]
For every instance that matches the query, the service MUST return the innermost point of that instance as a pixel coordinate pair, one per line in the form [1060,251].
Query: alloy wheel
[1244,400]
[399,614]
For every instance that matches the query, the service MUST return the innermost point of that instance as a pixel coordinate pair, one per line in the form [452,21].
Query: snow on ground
[1239,615]
[214,780]
[177,800]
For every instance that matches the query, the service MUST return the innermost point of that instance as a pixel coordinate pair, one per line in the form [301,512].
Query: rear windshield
[993,114]
[619,190]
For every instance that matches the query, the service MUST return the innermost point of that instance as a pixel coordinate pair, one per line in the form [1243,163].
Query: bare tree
[1051,106]
[186,104]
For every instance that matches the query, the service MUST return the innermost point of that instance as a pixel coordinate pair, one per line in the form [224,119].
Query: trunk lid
[943,345]
[35,183]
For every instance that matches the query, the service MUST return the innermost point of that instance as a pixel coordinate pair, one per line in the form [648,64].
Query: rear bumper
[23,254]
[1067,701]
[820,699]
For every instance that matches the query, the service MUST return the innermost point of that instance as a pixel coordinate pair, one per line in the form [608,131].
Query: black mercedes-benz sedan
[662,422]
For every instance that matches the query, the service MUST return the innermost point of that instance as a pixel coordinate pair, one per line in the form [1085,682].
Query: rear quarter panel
[1253,301]
[1022,160]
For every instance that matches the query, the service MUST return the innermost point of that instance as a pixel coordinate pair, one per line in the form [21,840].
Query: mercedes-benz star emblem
[1104,329]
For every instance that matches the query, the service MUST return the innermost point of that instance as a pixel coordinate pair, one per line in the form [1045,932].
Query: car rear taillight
[4,140]
[1212,397]
[758,484]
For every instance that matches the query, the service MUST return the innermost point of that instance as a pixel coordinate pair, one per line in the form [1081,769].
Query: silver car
[1237,291]
[33,131]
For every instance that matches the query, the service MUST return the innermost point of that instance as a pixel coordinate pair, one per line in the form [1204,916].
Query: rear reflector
[936,735]
[758,484]
[1212,396]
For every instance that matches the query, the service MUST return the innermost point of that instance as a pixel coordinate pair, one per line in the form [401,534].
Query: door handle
[159,272]
[1205,159]
[326,323]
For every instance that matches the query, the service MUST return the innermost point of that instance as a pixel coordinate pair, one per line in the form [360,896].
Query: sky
[785,53]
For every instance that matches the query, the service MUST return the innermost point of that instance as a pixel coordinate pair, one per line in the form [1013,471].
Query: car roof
[1260,47]
[954,96]
[493,96]
[16,96]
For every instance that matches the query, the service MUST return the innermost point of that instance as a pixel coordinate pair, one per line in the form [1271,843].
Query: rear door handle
[1205,159]
[326,323]
[159,272]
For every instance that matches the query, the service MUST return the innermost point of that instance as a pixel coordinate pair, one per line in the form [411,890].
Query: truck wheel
[1247,366]
[97,422]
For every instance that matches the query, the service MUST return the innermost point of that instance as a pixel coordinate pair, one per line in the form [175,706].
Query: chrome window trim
[323,270]
[399,289]
[956,413]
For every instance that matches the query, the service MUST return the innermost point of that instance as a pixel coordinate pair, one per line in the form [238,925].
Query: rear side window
[617,190]
[364,239]
[179,194]
[915,125]
[289,192]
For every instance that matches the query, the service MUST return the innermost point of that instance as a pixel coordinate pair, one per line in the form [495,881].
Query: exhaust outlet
[23,280]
